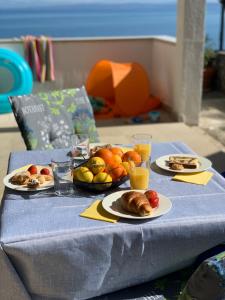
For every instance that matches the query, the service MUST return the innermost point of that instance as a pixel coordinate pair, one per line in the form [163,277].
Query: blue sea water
[100,20]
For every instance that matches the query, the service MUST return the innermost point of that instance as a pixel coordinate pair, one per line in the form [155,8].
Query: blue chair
[21,74]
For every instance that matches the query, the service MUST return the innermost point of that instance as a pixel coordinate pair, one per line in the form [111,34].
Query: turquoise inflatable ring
[22,77]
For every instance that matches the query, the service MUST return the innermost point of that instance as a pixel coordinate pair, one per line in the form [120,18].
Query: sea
[100,20]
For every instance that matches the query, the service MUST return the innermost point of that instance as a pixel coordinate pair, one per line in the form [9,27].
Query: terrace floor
[212,118]
[207,139]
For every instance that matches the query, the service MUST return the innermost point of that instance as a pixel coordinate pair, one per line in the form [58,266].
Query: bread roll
[136,202]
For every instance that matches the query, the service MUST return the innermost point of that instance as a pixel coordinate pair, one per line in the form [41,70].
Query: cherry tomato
[154,202]
[45,171]
[32,169]
[151,194]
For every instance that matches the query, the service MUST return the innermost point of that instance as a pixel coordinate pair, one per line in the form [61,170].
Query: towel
[196,178]
[97,212]
[39,54]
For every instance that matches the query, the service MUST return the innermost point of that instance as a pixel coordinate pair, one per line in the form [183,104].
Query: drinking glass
[80,145]
[139,176]
[63,177]
[142,144]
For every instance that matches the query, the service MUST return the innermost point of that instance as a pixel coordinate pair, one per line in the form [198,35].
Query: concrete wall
[74,58]
[189,54]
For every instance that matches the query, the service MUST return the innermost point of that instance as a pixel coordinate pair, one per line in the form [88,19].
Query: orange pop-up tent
[125,88]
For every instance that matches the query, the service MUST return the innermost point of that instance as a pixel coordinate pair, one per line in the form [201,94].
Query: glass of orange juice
[139,177]
[142,144]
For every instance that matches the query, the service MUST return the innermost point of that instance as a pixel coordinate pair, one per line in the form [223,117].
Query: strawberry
[45,171]
[32,169]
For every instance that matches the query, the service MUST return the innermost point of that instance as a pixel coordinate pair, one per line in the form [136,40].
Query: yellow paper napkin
[197,178]
[97,212]
[24,168]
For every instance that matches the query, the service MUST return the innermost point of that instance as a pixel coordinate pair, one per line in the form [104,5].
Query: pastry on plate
[48,177]
[20,178]
[41,178]
[176,166]
[33,183]
[136,202]
[183,161]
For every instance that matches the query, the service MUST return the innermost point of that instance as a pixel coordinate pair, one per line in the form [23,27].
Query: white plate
[111,203]
[44,186]
[204,163]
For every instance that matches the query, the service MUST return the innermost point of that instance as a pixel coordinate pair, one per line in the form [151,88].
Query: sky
[24,3]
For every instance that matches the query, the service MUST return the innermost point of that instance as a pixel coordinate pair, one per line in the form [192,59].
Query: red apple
[32,169]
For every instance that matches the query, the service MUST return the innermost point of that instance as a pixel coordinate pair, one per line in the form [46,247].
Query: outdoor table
[49,252]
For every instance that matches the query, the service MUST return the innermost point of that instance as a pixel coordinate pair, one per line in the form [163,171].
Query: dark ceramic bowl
[99,187]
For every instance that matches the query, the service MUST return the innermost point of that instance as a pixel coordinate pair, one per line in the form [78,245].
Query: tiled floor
[212,118]
[164,117]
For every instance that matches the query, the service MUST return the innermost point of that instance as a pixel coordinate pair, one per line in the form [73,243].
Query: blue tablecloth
[49,252]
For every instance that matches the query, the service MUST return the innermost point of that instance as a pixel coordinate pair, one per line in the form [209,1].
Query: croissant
[136,202]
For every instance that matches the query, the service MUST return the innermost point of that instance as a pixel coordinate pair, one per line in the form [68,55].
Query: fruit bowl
[100,187]
[96,186]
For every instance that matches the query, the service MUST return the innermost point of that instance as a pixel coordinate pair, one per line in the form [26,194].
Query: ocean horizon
[100,20]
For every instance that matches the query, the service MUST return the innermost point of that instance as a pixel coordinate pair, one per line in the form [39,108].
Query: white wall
[74,59]
[162,69]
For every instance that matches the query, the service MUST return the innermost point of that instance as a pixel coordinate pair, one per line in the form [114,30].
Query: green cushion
[47,120]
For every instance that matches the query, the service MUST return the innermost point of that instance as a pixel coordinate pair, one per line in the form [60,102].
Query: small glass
[142,144]
[80,145]
[63,177]
[139,176]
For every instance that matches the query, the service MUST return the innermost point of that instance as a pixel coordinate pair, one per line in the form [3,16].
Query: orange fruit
[132,156]
[115,171]
[125,173]
[128,165]
[117,159]
[105,154]
[117,151]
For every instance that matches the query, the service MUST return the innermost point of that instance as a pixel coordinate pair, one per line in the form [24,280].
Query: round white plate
[111,203]
[44,186]
[204,163]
